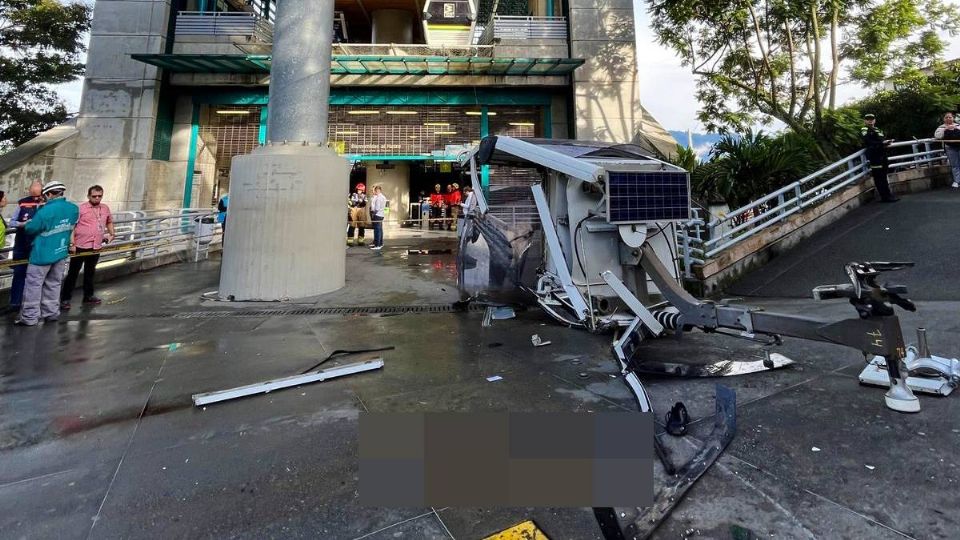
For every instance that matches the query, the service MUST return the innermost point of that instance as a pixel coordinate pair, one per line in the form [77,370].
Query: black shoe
[65,305]
[52,318]
[93,301]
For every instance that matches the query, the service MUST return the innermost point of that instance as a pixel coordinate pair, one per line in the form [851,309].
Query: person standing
[3,223]
[378,205]
[468,204]
[94,228]
[876,151]
[453,202]
[222,212]
[357,211]
[436,207]
[22,243]
[949,133]
[52,230]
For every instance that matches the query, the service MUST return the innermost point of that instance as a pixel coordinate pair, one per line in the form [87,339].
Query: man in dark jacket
[876,150]
[26,208]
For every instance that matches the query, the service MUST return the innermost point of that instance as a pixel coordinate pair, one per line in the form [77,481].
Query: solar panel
[634,197]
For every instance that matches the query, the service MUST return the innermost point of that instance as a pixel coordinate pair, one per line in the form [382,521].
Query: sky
[666,88]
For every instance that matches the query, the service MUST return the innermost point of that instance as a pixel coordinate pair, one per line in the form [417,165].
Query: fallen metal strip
[722,368]
[286,382]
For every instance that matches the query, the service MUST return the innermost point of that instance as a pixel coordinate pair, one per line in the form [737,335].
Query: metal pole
[300,71]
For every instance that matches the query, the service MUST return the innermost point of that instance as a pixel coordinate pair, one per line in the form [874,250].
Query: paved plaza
[99,438]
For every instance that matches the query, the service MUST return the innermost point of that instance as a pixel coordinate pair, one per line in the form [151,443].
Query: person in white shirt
[377,206]
[949,133]
[468,204]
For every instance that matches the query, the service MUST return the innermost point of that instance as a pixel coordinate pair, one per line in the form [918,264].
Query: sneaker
[65,306]
[378,248]
[52,318]
[20,322]
[955,185]
[361,242]
[93,300]
[349,241]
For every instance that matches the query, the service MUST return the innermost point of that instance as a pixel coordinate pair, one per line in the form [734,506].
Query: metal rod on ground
[200,400]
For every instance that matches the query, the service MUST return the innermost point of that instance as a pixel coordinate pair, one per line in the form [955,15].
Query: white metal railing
[738,225]
[414,49]
[144,235]
[523,28]
[207,23]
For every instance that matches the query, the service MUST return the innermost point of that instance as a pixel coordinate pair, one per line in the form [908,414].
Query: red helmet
[361,187]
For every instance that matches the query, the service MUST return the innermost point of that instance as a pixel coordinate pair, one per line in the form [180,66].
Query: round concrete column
[286,219]
[300,71]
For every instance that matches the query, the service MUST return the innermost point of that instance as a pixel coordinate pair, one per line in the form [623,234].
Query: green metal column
[262,134]
[547,122]
[549,8]
[192,156]
[485,169]
[203,5]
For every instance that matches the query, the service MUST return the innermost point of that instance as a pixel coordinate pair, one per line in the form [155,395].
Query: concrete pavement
[99,439]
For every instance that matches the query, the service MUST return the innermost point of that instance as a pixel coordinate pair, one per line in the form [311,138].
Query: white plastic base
[902,405]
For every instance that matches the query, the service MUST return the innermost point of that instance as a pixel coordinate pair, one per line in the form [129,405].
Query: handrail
[742,223]
[146,234]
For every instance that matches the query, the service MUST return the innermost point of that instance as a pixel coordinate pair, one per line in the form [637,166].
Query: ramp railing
[725,231]
[141,235]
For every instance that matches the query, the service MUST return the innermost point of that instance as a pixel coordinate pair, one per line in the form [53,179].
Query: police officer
[875,147]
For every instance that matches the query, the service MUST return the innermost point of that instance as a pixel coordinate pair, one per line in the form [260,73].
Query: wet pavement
[99,438]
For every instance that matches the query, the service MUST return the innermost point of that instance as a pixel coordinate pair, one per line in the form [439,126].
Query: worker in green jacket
[52,230]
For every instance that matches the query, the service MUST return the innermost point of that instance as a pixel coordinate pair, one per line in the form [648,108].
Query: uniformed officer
[876,150]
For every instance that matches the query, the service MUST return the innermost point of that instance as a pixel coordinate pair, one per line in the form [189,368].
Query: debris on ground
[537,342]
[494,378]
[814,449]
[503,312]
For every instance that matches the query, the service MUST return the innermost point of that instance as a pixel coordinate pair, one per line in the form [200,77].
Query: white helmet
[52,187]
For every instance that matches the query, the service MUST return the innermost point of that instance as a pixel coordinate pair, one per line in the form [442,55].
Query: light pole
[287,216]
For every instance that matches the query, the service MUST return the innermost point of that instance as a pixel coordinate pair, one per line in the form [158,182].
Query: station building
[175,88]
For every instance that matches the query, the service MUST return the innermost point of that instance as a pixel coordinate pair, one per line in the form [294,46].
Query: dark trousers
[89,264]
[19,278]
[880,181]
[377,230]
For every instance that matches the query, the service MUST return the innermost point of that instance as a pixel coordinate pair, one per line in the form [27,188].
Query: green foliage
[685,158]
[756,61]
[915,107]
[41,42]
[744,168]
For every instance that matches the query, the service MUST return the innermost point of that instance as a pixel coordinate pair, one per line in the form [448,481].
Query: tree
[758,60]
[41,42]
[744,168]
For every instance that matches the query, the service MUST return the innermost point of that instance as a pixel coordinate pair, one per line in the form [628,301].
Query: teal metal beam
[485,169]
[262,133]
[192,156]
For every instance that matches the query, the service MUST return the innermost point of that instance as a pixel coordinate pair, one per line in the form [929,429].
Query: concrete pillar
[392,26]
[118,109]
[287,212]
[606,88]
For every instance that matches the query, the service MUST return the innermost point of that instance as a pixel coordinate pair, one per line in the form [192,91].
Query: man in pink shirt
[94,228]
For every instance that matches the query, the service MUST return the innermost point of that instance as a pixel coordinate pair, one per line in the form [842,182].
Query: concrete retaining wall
[757,250]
